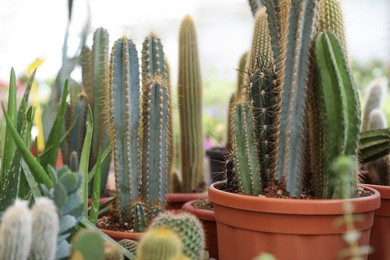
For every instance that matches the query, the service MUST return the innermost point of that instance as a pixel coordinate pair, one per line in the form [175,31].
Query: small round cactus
[112,252]
[15,232]
[130,245]
[160,243]
[189,229]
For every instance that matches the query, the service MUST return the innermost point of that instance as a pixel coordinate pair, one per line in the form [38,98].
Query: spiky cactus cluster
[187,227]
[190,107]
[373,118]
[305,86]
[29,234]
[141,159]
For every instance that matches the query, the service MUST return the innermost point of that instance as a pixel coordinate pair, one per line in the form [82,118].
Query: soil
[203,204]
[277,189]
[110,222]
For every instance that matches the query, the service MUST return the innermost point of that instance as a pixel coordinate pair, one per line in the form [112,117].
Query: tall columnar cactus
[374,99]
[160,243]
[338,104]
[330,19]
[190,107]
[45,229]
[15,232]
[100,67]
[245,148]
[141,160]
[124,108]
[187,227]
[156,114]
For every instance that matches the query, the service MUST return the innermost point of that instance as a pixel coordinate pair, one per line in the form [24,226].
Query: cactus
[15,232]
[159,243]
[124,108]
[374,99]
[342,173]
[45,229]
[141,160]
[112,252]
[190,107]
[338,103]
[130,245]
[188,228]
[254,5]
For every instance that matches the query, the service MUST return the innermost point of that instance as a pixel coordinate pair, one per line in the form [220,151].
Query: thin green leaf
[96,191]
[36,169]
[106,152]
[84,160]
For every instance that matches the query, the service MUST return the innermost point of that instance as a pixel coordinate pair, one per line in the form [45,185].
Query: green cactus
[244,154]
[374,144]
[254,5]
[330,19]
[190,107]
[156,114]
[187,227]
[338,103]
[112,252]
[15,232]
[341,174]
[124,108]
[242,68]
[159,243]
[45,229]
[141,160]
[374,99]
[130,245]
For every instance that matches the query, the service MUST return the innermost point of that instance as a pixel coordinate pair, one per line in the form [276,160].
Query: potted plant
[140,132]
[375,134]
[292,123]
[192,185]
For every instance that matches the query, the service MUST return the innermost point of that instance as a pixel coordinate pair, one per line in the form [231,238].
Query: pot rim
[382,189]
[184,197]
[201,213]
[292,206]
[122,235]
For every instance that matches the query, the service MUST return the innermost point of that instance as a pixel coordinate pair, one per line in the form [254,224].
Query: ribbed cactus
[330,19]
[15,232]
[45,229]
[159,243]
[124,107]
[187,227]
[338,103]
[156,114]
[190,107]
[130,245]
[254,5]
[141,160]
[374,99]
[245,150]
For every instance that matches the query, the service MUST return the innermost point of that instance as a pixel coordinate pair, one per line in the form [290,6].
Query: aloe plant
[141,159]
[275,117]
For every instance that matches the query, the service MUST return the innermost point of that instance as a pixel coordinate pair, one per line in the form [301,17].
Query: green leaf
[106,153]
[54,140]
[36,168]
[60,195]
[96,191]
[84,160]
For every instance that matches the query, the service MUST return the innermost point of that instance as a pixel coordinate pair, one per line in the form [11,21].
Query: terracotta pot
[177,200]
[101,200]
[380,231]
[118,235]
[286,228]
[209,226]
[218,159]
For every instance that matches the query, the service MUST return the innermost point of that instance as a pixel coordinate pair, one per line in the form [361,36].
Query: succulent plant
[130,245]
[187,227]
[280,134]
[141,159]
[190,108]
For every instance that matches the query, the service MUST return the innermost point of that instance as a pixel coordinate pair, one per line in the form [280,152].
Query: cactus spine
[159,243]
[187,227]
[130,245]
[190,107]
[156,114]
[15,232]
[45,229]
[124,120]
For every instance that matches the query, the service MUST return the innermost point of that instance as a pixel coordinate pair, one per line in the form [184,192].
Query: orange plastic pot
[118,235]
[380,231]
[286,228]
[177,200]
[207,219]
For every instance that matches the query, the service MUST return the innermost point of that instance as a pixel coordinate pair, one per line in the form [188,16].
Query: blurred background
[36,29]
